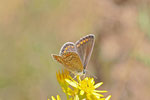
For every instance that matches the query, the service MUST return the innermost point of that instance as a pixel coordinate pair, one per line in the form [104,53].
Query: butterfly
[75,56]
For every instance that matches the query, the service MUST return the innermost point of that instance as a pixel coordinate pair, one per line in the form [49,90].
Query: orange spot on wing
[81,42]
[58,58]
[86,40]
[66,48]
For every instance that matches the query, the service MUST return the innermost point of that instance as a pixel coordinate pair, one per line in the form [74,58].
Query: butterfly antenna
[91,74]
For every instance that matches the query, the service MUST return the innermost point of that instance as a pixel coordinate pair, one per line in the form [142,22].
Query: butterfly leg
[75,76]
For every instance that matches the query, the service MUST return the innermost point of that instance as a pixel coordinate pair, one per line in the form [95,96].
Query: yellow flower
[53,98]
[86,88]
[62,76]
[79,89]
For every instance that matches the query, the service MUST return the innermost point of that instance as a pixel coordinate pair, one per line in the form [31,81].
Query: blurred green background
[32,30]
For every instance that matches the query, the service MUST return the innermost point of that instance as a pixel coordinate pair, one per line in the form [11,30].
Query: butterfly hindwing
[68,47]
[84,48]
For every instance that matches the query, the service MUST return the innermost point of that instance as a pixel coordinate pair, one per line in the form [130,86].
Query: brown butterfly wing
[71,61]
[58,58]
[68,47]
[85,47]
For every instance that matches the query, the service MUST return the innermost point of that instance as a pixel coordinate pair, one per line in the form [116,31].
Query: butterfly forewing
[58,58]
[84,48]
[71,61]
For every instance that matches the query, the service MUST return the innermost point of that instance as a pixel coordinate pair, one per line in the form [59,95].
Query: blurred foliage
[144,20]
[144,59]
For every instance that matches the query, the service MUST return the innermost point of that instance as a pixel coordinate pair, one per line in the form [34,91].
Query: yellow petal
[81,92]
[76,97]
[53,98]
[100,91]
[71,83]
[96,94]
[92,80]
[98,85]
[58,97]
[86,78]
[78,78]
[108,98]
